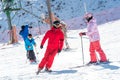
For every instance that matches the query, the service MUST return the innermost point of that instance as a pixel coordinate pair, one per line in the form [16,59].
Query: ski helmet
[55,23]
[63,23]
[29,34]
[22,27]
[88,15]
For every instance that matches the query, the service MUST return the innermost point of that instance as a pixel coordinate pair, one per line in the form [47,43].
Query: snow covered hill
[14,66]
[71,11]
[65,10]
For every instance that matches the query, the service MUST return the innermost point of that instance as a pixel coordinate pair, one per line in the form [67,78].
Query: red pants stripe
[95,46]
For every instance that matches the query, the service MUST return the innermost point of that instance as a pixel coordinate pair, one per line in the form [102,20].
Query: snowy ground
[14,66]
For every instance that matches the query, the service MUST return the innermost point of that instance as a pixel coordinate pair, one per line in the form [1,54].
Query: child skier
[29,42]
[94,37]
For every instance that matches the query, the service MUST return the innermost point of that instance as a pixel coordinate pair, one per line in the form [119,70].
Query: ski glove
[82,33]
[59,50]
[30,27]
[41,46]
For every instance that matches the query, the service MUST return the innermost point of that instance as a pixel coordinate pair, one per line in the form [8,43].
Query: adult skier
[55,39]
[24,32]
[94,37]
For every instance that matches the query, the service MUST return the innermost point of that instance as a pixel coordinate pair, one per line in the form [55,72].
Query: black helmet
[57,22]
[22,27]
[29,34]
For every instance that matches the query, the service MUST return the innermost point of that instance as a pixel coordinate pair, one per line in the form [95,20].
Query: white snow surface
[14,65]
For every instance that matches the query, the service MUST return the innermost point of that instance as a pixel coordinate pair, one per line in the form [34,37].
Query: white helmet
[88,15]
[62,22]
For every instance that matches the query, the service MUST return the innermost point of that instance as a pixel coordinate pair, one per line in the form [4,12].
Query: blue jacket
[24,32]
[29,43]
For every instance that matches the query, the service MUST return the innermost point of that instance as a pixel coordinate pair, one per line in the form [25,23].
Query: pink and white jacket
[92,30]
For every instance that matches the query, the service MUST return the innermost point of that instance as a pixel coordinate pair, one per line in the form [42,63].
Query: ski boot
[39,70]
[48,70]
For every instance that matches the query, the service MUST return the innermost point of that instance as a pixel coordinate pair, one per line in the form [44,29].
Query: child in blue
[29,43]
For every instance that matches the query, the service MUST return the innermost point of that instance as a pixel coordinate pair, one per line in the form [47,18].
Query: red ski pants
[95,46]
[48,58]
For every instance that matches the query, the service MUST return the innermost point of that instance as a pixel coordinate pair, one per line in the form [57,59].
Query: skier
[24,31]
[64,30]
[94,37]
[55,43]
[29,42]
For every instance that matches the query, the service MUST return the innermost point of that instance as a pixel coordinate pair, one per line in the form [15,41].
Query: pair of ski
[92,64]
[44,71]
[98,63]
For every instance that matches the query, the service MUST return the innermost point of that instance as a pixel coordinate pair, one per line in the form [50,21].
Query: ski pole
[27,55]
[82,49]
[36,53]
[85,7]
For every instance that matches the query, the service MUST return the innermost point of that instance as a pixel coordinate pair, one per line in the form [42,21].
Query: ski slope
[14,65]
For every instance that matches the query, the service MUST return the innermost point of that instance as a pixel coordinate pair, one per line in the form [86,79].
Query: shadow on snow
[64,72]
[109,66]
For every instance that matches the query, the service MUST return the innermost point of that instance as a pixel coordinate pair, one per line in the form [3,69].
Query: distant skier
[24,31]
[93,34]
[29,42]
[55,39]
[64,30]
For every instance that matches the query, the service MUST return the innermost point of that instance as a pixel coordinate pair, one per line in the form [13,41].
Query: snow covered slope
[71,11]
[65,10]
[14,66]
